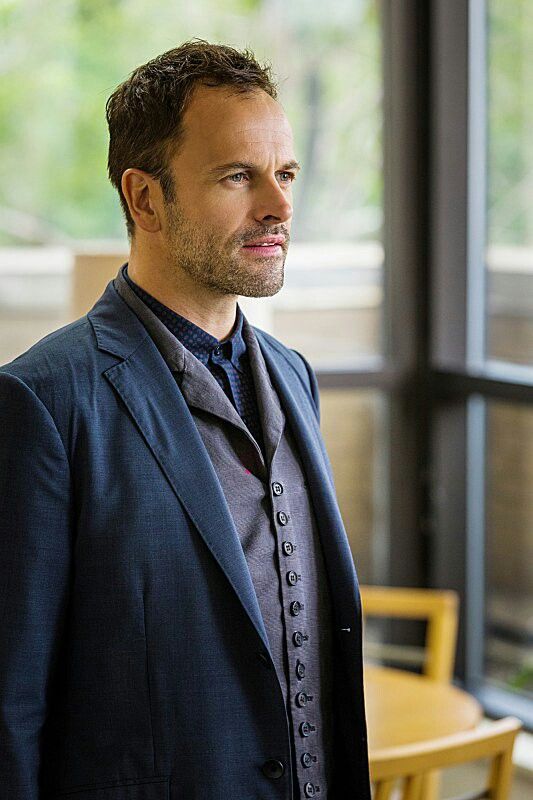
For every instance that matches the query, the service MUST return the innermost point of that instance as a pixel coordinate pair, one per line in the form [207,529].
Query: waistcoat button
[295,607]
[273,768]
[307,759]
[300,670]
[282,518]
[292,577]
[277,488]
[288,548]
[309,789]
[302,698]
[306,728]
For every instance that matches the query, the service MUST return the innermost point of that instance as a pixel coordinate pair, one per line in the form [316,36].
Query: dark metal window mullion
[476,323]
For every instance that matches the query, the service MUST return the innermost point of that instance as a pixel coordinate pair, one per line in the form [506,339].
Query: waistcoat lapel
[201,390]
[270,412]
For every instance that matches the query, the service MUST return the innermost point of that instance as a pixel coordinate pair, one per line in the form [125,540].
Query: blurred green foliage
[510,122]
[60,60]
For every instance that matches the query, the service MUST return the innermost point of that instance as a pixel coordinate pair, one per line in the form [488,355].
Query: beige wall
[351,430]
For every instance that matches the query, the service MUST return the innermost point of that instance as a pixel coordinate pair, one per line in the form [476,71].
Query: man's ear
[143,196]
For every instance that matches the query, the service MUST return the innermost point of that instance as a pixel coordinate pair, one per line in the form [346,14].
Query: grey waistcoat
[269,501]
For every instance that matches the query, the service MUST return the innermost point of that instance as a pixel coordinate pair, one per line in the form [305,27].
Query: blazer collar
[116,328]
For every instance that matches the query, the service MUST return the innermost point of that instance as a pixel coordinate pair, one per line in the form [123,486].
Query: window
[482,345]
[509,607]
[510,182]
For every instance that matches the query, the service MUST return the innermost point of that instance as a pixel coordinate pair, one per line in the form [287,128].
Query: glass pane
[353,424]
[510,164]
[509,641]
[328,62]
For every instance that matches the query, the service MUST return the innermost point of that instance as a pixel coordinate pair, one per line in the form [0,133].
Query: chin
[260,291]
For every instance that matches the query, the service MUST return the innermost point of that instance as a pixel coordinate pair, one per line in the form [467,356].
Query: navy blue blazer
[134,662]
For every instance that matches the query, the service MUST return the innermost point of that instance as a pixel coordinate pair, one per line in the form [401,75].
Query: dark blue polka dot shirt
[226,360]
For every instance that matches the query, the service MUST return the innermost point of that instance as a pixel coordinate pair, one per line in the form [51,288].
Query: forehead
[220,125]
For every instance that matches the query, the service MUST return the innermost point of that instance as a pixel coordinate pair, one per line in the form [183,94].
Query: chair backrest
[438,607]
[408,763]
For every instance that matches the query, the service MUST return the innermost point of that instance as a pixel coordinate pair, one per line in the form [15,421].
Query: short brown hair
[144,114]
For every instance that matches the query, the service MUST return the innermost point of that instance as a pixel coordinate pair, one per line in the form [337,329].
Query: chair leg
[431,786]
[414,788]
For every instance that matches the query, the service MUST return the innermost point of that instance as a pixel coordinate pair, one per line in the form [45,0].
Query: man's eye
[236,175]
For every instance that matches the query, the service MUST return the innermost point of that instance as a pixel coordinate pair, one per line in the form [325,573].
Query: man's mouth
[263,249]
[265,246]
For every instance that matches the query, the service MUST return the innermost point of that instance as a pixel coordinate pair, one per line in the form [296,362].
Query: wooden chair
[409,763]
[440,609]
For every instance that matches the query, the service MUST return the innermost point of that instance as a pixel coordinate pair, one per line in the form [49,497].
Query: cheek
[227,212]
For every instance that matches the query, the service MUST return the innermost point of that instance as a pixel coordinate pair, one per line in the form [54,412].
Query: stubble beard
[199,254]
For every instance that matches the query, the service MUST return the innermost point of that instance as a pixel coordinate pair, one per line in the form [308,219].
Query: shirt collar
[199,342]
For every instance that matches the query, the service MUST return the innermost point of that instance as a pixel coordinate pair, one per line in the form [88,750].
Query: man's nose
[273,204]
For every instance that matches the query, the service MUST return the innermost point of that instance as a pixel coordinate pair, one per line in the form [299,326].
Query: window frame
[433,371]
[463,380]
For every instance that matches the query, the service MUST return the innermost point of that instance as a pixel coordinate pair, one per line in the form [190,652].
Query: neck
[207,308]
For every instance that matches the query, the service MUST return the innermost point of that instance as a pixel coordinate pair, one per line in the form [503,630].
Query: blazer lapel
[158,408]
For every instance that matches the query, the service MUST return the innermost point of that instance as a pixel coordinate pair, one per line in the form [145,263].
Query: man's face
[232,180]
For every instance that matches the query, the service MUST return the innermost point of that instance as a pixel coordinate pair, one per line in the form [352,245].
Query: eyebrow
[241,165]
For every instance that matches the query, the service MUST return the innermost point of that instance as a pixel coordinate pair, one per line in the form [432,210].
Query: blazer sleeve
[35,554]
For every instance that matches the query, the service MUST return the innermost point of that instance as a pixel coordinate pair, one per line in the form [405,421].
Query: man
[180,610]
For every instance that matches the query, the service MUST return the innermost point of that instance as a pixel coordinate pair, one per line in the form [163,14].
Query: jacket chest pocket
[149,789]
